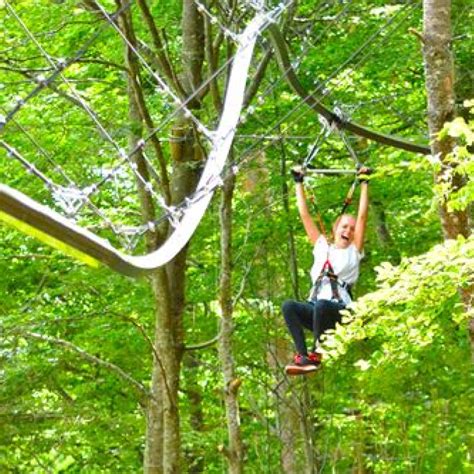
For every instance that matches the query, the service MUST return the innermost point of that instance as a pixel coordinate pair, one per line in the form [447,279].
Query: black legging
[317,316]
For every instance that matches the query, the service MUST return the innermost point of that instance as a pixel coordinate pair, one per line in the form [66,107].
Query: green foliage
[395,395]
[461,162]
[403,355]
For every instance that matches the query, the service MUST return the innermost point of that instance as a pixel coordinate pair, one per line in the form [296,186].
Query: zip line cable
[109,20]
[246,153]
[284,62]
[171,116]
[61,65]
[341,132]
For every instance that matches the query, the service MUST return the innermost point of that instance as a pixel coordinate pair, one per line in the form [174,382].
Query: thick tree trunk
[153,456]
[287,411]
[439,72]
[162,437]
[439,76]
[193,48]
[234,450]
[166,371]
[169,283]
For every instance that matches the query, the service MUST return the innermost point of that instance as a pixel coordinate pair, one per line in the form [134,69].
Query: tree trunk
[169,283]
[439,72]
[193,49]
[439,76]
[287,411]
[153,456]
[167,372]
[234,451]
[307,427]
[162,438]
[288,416]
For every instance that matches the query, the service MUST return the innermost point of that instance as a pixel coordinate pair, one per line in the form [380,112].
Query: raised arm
[310,227]
[363,211]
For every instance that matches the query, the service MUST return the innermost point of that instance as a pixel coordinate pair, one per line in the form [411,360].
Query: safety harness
[335,282]
[327,269]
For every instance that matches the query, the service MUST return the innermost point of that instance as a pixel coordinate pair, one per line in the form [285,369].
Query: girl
[334,271]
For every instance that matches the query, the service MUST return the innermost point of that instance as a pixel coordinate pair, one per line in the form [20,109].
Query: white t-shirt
[345,263]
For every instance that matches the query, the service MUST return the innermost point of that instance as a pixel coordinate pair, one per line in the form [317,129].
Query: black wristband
[298,177]
[363,177]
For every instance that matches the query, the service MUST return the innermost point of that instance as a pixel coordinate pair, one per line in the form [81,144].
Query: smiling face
[344,231]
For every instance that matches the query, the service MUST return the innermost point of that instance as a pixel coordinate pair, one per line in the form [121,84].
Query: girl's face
[344,232]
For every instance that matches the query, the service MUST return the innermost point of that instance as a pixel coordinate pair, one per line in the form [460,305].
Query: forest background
[182,371]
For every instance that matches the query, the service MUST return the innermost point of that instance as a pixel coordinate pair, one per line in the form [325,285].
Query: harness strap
[334,281]
[329,272]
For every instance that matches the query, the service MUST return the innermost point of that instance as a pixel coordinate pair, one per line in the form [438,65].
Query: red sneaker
[315,357]
[302,365]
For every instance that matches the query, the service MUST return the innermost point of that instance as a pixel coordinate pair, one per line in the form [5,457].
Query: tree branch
[281,51]
[152,346]
[134,74]
[204,345]
[103,62]
[161,53]
[259,75]
[212,65]
[92,359]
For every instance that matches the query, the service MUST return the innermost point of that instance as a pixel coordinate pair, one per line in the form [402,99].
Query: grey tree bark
[153,456]
[185,156]
[234,450]
[288,420]
[439,76]
[163,447]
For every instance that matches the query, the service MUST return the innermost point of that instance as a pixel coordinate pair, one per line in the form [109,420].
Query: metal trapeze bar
[328,171]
